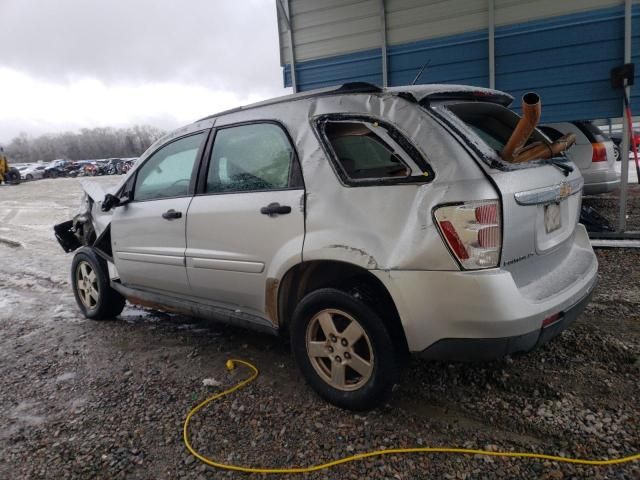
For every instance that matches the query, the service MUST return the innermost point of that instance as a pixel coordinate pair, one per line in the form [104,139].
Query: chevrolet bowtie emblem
[564,190]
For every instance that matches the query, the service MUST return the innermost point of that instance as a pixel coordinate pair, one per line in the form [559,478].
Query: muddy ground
[86,399]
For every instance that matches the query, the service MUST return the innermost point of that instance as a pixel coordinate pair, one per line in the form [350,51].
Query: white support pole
[286,14]
[383,53]
[492,45]
[624,176]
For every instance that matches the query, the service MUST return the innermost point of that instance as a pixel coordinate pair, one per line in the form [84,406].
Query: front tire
[90,280]
[343,349]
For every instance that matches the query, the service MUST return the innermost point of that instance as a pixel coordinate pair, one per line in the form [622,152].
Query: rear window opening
[492,124]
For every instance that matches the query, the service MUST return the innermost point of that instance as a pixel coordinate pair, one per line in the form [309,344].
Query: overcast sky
[69,64]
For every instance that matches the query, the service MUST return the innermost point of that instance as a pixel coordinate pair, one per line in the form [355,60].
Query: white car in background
[593,153]
[31,172]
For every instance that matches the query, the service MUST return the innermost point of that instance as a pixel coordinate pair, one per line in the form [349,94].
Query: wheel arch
[305,277]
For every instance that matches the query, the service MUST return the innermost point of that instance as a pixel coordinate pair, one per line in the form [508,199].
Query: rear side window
[362,153]
[365,151]
[250,157]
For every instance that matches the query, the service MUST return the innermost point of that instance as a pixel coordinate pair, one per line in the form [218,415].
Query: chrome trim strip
[550,194]
[151,258]
[226,265]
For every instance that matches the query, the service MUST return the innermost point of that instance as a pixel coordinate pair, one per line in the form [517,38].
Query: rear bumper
[479,349]
[446,315]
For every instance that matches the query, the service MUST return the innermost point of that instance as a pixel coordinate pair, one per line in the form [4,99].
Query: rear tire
[343,349]
[90,280]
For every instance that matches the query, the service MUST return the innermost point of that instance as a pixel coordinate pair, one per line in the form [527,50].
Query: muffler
[514,150]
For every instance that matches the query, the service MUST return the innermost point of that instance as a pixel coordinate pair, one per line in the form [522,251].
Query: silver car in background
[365,224]
[31,171]
[594,153]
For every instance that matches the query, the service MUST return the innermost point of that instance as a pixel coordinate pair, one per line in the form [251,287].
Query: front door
[148,233]
[248,219]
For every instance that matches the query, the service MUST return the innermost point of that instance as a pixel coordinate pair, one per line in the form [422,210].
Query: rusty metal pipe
[530,117]
[543,150]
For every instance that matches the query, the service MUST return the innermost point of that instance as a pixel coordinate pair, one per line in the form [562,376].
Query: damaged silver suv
[364,223]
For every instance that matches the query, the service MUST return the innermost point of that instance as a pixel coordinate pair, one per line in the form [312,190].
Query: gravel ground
[608,205]
[84,399]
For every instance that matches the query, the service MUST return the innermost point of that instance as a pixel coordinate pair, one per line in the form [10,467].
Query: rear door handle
[275,209]
[171,214]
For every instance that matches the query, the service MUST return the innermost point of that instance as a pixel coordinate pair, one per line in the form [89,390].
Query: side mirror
[110,201]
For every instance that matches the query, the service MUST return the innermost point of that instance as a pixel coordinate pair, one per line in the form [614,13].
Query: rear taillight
[472,231]
[599,152]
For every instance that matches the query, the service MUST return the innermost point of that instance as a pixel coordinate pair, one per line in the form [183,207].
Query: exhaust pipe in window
[530,117]
[544,150]
[515,152]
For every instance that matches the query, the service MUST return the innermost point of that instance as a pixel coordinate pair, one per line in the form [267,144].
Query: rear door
[248,216]
[148,234]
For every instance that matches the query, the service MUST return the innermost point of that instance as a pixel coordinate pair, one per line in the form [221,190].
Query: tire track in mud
[21,281]
[10,243]
[9,216]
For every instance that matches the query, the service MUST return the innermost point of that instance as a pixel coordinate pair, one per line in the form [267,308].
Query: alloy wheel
[339,349]
[87,285]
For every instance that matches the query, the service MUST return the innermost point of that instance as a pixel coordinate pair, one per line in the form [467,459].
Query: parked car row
[31,171]
[78,168]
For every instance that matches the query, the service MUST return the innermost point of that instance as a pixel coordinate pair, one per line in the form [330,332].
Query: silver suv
[364,223]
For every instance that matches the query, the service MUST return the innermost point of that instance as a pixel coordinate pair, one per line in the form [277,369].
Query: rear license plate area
[552,217]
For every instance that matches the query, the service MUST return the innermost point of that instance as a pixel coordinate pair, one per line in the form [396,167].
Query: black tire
[29,177]
[384,362]
[616,153]
[12,177]
[109,303]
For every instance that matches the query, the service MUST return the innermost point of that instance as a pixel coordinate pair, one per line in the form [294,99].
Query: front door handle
[171,214]
[275,209]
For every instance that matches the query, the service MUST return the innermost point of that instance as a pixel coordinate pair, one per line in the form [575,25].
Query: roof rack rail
[350,87]
[355,87]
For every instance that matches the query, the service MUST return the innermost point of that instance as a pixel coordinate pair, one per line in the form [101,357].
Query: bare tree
[102,142]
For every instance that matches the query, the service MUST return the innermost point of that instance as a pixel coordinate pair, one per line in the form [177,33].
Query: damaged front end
[89,225]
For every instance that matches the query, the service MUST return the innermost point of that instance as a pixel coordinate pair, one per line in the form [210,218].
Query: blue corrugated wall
[565,59]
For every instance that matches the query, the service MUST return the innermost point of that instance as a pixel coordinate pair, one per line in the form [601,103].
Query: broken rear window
[492,125]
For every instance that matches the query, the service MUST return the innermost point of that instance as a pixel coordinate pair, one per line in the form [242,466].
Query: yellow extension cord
[360,456]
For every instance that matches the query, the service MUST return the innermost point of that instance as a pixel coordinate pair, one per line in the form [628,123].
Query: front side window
[366,152]
[251,157]
[168,172]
